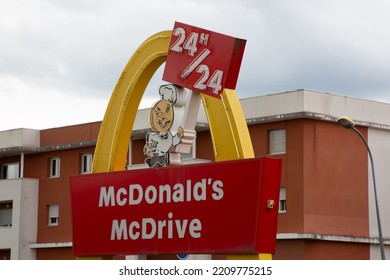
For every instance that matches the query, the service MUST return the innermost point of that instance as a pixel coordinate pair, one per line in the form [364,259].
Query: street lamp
[349,123]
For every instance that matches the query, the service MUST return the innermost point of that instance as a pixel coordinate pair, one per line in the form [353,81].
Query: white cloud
[73,51]
[24,105]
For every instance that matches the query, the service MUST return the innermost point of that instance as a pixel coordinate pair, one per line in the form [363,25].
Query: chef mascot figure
[167,140]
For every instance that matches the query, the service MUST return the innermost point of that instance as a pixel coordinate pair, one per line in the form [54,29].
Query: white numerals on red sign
[214,82]
[190,45]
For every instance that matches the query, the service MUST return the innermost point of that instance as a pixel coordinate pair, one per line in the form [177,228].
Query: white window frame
[86,163]
[10,170]
[55,167]
[191,155]
[6,213]
[53,217]
[277,141]
[282,200]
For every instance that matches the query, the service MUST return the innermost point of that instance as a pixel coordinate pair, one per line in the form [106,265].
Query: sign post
[198,57]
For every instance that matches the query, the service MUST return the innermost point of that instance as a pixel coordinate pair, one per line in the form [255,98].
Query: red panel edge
[271,170]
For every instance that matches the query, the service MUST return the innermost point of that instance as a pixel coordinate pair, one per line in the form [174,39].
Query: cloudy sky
[60,59]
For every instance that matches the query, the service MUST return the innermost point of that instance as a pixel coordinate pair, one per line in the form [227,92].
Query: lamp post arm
[381,245]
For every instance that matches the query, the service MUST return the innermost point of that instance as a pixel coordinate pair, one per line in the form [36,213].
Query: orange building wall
[55,191]
[70,134]
[301,249]
[137,151]
[334,250]
[204,146]
[55,254]
[335,180]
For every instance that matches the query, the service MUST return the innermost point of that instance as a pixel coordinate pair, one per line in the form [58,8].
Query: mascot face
[161,116]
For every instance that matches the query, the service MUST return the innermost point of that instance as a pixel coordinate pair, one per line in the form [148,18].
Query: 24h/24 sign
[203,60]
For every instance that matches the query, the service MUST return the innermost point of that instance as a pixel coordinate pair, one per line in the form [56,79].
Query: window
[191,155]
[282,200]
[5,213]
[10,171]
[5,254]
[277,141]
[86,163]
[54,167]
[53,215]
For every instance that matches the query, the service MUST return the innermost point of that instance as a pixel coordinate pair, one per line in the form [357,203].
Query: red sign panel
[202,60]
[223,207]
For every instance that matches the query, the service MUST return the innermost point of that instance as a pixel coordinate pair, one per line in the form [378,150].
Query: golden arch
[229,131]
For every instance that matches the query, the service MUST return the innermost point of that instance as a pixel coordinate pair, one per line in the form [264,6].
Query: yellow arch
[114,136]
[229,131]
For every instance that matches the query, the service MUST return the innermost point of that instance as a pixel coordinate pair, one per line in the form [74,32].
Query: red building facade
[324,211]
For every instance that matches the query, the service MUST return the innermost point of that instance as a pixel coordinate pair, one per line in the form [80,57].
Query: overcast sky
[60,59]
